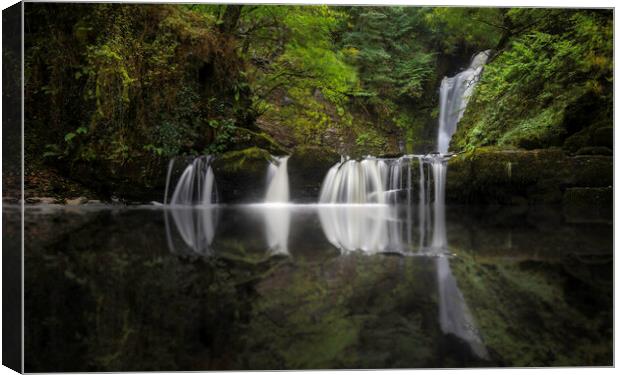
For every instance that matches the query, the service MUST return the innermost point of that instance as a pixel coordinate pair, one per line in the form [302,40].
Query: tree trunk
[230,19]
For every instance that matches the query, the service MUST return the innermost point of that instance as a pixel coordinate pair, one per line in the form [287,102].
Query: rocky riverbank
[519,177]
[483,176]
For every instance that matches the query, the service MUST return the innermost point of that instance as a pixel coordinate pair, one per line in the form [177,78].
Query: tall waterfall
[278,189]
[196,184]
[454,315]
[454,95]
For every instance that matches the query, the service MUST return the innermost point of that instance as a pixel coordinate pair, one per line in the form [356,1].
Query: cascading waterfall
[368,181]
[278,189]
[454,95]
[355,182]
[454,315]
[195,187]
[196,184]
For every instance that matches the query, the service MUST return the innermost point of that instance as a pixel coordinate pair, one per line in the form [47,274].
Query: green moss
[595,150]
[246,138]
[248,158]
[492,175]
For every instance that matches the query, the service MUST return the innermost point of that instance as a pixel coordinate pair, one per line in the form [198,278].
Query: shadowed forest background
[113,91]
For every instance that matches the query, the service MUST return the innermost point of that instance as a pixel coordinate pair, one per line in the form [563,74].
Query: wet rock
[595,150]
[496,176]
[241,175]
[307,168]
[604,137]
[76,201]
[244,138]
[41,200]
[590,171]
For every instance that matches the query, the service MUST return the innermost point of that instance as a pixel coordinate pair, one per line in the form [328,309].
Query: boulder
[604,137]
[241,175]
[41,200]
[76,201]
[307,168]
[595,150]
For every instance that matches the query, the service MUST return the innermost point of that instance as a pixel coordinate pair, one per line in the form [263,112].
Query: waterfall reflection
[368,228]
[191,229]
[277,223]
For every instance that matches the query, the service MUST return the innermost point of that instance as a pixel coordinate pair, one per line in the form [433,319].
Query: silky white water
[454,95]
[196,184]
[277,175]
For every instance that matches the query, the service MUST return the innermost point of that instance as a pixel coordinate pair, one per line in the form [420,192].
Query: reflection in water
[454,315]
[247,309]
[195,228]
[370,228]
[354,227]
[367,228]
[277,224]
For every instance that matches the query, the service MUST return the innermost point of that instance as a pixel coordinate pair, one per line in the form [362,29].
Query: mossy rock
[604,137]
[591,171]
[589,139]
[307,168]
[578,140]
[490,175]
[595,150]
[495,176]
[241,175]
[245,138]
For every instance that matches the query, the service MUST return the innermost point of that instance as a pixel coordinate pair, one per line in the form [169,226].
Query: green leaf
[69,136]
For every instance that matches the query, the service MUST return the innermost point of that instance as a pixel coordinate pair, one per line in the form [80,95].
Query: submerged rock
[588,204]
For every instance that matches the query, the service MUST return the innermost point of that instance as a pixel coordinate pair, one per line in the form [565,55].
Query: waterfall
[454,95]
[196,184]
[454,315]
[369,181]
[277,175]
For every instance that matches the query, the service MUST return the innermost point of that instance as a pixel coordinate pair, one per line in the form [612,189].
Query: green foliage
[478,28]
[122,88]
[224,130]
[524,94]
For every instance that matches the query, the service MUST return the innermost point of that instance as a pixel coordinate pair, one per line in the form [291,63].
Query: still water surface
[312,287]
